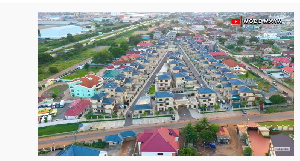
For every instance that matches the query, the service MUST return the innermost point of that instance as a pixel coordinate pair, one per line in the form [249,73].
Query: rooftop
[163,94]
[205,91]
[88,81]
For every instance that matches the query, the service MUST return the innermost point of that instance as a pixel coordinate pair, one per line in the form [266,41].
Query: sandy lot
[127,148]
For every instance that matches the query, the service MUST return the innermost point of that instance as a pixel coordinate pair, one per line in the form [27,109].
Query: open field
[57,129]
[82,72]
[275,123]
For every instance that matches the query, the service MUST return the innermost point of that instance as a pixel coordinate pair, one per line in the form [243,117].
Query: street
[100,134]
[128,120]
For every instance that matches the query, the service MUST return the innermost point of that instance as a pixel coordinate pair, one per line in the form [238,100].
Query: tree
[53,70]
[217,106]
[292,61]
[54,95]
[277,99]
[124,46]
[247,151]
[133,40]
[203,107]
[86,66]
[102,57]
[89,115]
[230,46]
[40,88]
[117,52]
[190,133]
[222,40]
[253,38]
[46,119]
[70,38]
[78,48]
[241,40]
[157,23]
[207,135]
[214,128]
[244,136]
[220,24]
[247,74]
[45,58]
[171,109]
[243,103]
[202,124]
[145,113]
[188,151]
[238,49]
[157,112]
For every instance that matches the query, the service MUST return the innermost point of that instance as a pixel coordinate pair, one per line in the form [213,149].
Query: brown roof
[230,63]
[88,81]
[241,128]
[223,131]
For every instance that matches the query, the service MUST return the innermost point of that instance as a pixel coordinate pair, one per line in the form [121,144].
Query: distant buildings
[157,35]
[171,35]
[59,32]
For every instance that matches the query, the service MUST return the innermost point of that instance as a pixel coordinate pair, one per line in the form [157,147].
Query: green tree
[292,61]
[190,133]
[238,49]
[207,135]
[217,106]
[124,45]
[157,112]
[203,107]
[117,52]
[241,41]
[54,95]
[70,38]
[222,40]
[220,24]
[46,119]
[230,46]
[53,70]
[89,115]
[133,40]
[78,48]
[102,57]
[86,66]
[243,103]
[145,113]
[188,151]
[171,109]
[277,99]
[214,128]
[253,38]
[45,58]
[247,74]
[247,151]
[157,23]
[202,124]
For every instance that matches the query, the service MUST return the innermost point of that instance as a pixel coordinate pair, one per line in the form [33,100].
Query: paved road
[192,68]
[128,120]
[184,114]
[263,75]
[68,139]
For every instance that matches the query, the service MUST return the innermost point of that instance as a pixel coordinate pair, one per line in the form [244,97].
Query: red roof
[144,44]
[217,53]
[198,40]
[199,36]
[110,67]
[288,52]
[159,140]
[88,81]
[116,62]
[133,52]
[288,69]
[179,37]
[77,107]
[122,67]
[241,64]
[230,63]
[263,67]
[292,64]
[282,60]
[229,33]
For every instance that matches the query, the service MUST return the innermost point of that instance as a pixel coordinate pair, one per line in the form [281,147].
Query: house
[235,83]
[198,37]
[134,52]
[77,109]
[218,55]
[181,80]
[118,63]
[223,135]
[158,142]
[163,82]
[108,105]
[206,96]
[288,70]
[111,74]
[85,86]
[128,135]
[281,140]
[230,75]
[232,65]
[171,35]
[121,95]
[146,37]
[113,140]
[246,94]
[110,89]
[157,35]
[96,101]
[233,98]
[144,104]
[143,44]
[283,60]
[164,100]
[76,150]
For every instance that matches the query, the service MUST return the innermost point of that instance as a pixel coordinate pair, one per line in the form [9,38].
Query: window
[182,78]
[209,95]
[211,104]
[245,94]
[160,99]
[166,80]
[160,153]
[167,99]
[161,80]
[203,95]
[209,99]
[204,100]
[111,90]
[161,104]
[167,103]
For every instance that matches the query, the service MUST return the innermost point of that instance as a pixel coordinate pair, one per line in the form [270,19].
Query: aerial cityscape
[165,84]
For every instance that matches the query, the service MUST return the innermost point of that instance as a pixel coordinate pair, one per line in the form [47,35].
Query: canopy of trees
[188,151]
[53,70]
[102,57]
[277,99]
[133,40]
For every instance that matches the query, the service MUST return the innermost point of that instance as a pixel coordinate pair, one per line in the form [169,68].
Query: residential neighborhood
[166,84]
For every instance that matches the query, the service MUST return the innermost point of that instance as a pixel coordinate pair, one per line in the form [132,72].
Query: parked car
[244,112]
[173,117]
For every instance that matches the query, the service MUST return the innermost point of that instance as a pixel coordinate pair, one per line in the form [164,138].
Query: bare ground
[127,148]
[49,92]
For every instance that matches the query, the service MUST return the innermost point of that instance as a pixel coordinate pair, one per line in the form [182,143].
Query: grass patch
[269,110]
[243,76]
[99,144]
[263,84]
[101,120]
[275,123]
[259,65]
[289,82]
[82,72]
[152,90]
[49,130]
[56,90]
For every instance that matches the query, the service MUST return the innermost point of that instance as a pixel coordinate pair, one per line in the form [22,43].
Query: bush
[53,70]
[277,99]
[247,151]
[54,95]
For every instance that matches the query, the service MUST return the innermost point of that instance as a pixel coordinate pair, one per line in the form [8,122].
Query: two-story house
[163,82]
[206,96]
[246,94]
[110,89]
[164,100]
[121,95]
[232,65]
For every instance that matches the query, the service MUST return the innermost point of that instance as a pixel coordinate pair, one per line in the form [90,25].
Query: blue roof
[212,68]
[111,85]
[171,56]
[218,73]
[181,65]
[143,103]
[150,55]
[212,60]
[179,75]
[226,85]
[218,64]
[129,133]
[140,58]
[176,68]
[146,61]
[128,80]
[75,150]
[272,89]
[164,76]
[108,101]
[223,79]
[148,49]
[154,51]
[128,69]
[207,56]
[120,77]
[205,90]
[205,62]
[224,70]
[245,89]
[117,138]
[188,78]
[177,53]
[141,66]
[134,63]
[163,94]
[184,71]
[236,82]
[99,96]
[136,72]
[230,75]
[120,89]
[173,62]
[234,92]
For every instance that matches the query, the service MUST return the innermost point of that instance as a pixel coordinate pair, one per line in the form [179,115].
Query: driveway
[184,113]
